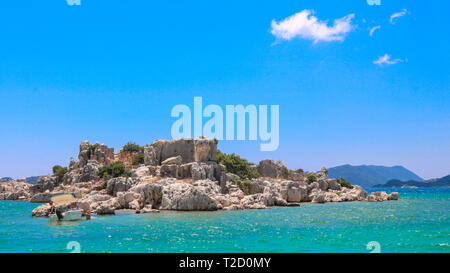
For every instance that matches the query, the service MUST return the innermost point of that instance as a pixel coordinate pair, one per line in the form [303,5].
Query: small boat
[70,215]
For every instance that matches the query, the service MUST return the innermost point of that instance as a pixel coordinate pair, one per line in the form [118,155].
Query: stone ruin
[181,159]
[98,152]
[186,158]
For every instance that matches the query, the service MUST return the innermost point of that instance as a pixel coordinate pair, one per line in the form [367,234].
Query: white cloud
[372,30]
[397,15]
[307,26]
[386,59]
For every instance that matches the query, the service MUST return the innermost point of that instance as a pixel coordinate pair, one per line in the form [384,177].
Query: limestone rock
[177,160]
[104,209]
[268,168]
[89,171]
[190,150]
[143,171]
[44,197]
[99,152]
[393,196]
[333,185]
[44,183]
[323,174]
[119,184]
[323,185]
[183,196]
[150,194]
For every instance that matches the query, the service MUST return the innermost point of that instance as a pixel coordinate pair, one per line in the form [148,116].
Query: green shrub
[344,183]
[299,171]
[133,148]
[311,178]
[285,172]
[112,170]
[92,147]
[138,159]
[72,164]
[237,165]
[59,172]
[245,186]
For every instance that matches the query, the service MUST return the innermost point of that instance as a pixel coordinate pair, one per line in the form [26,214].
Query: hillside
[432,183]
[369,175]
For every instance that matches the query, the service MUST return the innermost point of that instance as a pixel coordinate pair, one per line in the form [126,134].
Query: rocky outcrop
[45,183]
[183,196]
[89,171]
[181,175]
[381,196]
[98,152]
[13,190]
[44,197]
[268,168]
[119,184]
[294,191]
[190,150]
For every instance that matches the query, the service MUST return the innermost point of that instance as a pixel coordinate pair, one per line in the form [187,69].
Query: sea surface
[418,222]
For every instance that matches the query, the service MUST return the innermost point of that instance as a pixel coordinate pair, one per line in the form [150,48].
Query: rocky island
[183,175]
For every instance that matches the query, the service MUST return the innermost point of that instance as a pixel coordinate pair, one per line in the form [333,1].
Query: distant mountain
[432,183]
[369,175]
[6,179]
[30,180]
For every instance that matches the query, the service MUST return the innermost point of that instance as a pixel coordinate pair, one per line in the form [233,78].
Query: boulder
[143,171]
[119,184]
[268,168]
[323,185]
[149,193]
[323,174]
[89,171]
[185,197]
[393,196]
[44,183]
[152,155]
[41,211]
[333,185]
[104,209]
[293,191]
[177,160]
[255,201]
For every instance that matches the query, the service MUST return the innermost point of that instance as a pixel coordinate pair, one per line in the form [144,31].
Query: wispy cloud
[306,26]
[372,30]
[397,15]
[386,60]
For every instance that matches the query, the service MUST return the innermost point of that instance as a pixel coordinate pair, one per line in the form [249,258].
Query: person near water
[52,207]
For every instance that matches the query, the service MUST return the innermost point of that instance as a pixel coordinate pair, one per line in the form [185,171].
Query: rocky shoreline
[178,175]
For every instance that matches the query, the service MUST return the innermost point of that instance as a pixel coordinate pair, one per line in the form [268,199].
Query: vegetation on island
[236,165]
[245,186]
[344,183]
[59,172]
[312,177]
[136,149]
[115,169]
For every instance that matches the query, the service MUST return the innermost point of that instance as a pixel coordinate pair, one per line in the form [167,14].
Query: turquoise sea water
[418,222]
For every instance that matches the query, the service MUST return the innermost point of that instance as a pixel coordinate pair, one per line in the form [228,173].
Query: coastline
[180,175]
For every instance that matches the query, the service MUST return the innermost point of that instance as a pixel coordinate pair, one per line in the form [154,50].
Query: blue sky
[111,71]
